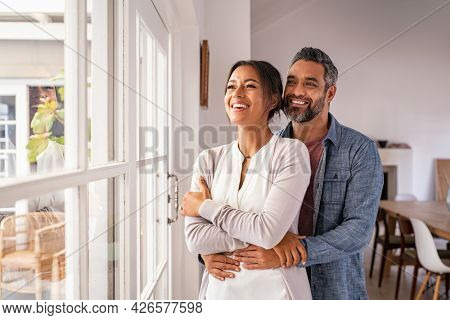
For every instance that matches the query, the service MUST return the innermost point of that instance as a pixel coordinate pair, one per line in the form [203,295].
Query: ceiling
[266,12]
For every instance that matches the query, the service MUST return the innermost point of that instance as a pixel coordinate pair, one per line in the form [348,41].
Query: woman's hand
[193,200]
[290,251]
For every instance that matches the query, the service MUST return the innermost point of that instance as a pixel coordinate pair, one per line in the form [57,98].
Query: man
[340,205]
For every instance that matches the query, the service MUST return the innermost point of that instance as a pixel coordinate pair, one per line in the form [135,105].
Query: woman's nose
[239,92]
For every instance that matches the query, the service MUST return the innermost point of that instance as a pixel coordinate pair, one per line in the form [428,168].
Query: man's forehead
[304,69]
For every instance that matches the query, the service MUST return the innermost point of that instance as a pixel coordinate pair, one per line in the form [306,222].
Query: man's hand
[290,250]
[287,253]
[216,264]
[193,200]
[257,258]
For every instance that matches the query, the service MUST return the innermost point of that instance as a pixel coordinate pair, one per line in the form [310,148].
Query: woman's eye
[230,86]
[251,86]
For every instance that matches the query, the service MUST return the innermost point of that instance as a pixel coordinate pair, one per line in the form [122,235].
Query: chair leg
[414,280]
[447,284]
[1,281]
[38,284]
[374,250]
[383,262]
[399,275]
[424,284]
[436,288]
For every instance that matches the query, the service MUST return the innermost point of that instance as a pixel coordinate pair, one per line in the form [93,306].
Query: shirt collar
[332,134]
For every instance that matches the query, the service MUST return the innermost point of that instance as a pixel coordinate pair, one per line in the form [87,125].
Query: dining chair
[30,242]
[389,241]
[428,257]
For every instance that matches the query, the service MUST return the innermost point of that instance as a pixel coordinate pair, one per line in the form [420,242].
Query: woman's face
[244,98]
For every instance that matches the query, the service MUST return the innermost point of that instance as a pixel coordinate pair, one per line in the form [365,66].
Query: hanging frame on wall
[204,73]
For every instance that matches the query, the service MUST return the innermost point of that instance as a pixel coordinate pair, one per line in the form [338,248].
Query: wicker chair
[31,242]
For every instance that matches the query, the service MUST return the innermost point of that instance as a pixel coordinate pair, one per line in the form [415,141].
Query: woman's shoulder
[284,144]
[291,152]
[214,154]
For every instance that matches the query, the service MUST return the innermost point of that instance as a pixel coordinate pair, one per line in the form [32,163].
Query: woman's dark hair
[270,82]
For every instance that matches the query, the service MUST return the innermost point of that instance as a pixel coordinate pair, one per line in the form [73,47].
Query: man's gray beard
[309,113]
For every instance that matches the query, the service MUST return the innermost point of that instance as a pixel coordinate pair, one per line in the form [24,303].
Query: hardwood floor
[387,290]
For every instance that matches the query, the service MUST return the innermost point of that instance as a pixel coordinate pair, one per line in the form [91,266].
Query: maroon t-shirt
[305,222]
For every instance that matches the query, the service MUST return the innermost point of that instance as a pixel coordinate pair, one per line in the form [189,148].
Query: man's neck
[311,130]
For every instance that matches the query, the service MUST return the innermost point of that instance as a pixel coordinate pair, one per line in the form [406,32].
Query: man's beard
[296,115]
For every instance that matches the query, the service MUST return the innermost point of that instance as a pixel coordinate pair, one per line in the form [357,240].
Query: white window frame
[78,174]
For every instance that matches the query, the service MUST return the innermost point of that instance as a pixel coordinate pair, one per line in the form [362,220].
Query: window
[61,148]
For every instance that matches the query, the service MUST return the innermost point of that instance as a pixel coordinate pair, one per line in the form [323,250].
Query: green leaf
[59,140]
[36,145]
[44,117]
[60,115]
[61,93]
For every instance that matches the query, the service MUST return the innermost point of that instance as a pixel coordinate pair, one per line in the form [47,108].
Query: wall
[227,29]
[30,59]
[394,69]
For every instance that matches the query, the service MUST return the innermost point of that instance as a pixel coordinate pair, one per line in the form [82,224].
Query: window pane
[146,115]
[31,89]
[102,239]
[33,242]
[153,205]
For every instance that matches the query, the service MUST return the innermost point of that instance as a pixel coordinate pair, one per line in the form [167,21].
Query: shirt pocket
[335,186]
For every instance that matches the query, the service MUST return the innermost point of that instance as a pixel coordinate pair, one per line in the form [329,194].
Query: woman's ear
[274,101]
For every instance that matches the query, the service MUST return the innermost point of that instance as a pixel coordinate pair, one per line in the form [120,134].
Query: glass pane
[153,208]
[102,238]
[34,248]
[146,131]
[146,207]
[32,88]
[162,110]
[7,108]
[100,81]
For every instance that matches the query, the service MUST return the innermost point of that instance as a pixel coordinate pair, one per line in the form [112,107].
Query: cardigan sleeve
[282,205]
[202,237]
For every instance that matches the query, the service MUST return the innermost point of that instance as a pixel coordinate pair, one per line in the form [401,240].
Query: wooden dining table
[434,214]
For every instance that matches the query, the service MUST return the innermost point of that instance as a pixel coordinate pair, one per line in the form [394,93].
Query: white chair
[428,256]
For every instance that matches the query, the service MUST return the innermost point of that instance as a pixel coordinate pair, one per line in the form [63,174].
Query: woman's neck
[253,138]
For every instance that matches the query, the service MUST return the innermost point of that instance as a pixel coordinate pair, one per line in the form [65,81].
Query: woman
[256,184]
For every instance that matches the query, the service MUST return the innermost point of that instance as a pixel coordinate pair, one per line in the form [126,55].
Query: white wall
[30,59]
[227,29]
[399,92]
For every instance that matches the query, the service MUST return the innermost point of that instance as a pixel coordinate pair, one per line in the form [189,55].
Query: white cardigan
[265,208]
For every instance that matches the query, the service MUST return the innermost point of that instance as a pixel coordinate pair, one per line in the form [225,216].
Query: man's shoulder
[351,138]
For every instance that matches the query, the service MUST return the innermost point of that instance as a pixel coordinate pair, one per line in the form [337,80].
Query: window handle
[171,220]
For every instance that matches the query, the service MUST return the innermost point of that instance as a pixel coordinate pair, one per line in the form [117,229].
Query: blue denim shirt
[347,190]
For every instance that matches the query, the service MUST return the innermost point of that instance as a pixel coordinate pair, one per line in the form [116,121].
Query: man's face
[304,95]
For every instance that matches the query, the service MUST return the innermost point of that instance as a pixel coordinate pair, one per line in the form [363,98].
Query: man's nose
[299,90]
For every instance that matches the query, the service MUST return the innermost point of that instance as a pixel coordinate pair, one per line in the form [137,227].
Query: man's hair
[271,83]
[317,55]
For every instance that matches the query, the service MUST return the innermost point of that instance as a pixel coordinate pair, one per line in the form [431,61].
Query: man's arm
[360,210]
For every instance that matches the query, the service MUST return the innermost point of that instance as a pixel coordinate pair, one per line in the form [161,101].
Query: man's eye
[290,82]
[310,84]
[251,86]
[230,86]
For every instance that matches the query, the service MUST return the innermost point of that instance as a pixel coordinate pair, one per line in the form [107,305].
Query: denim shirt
[347,190]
